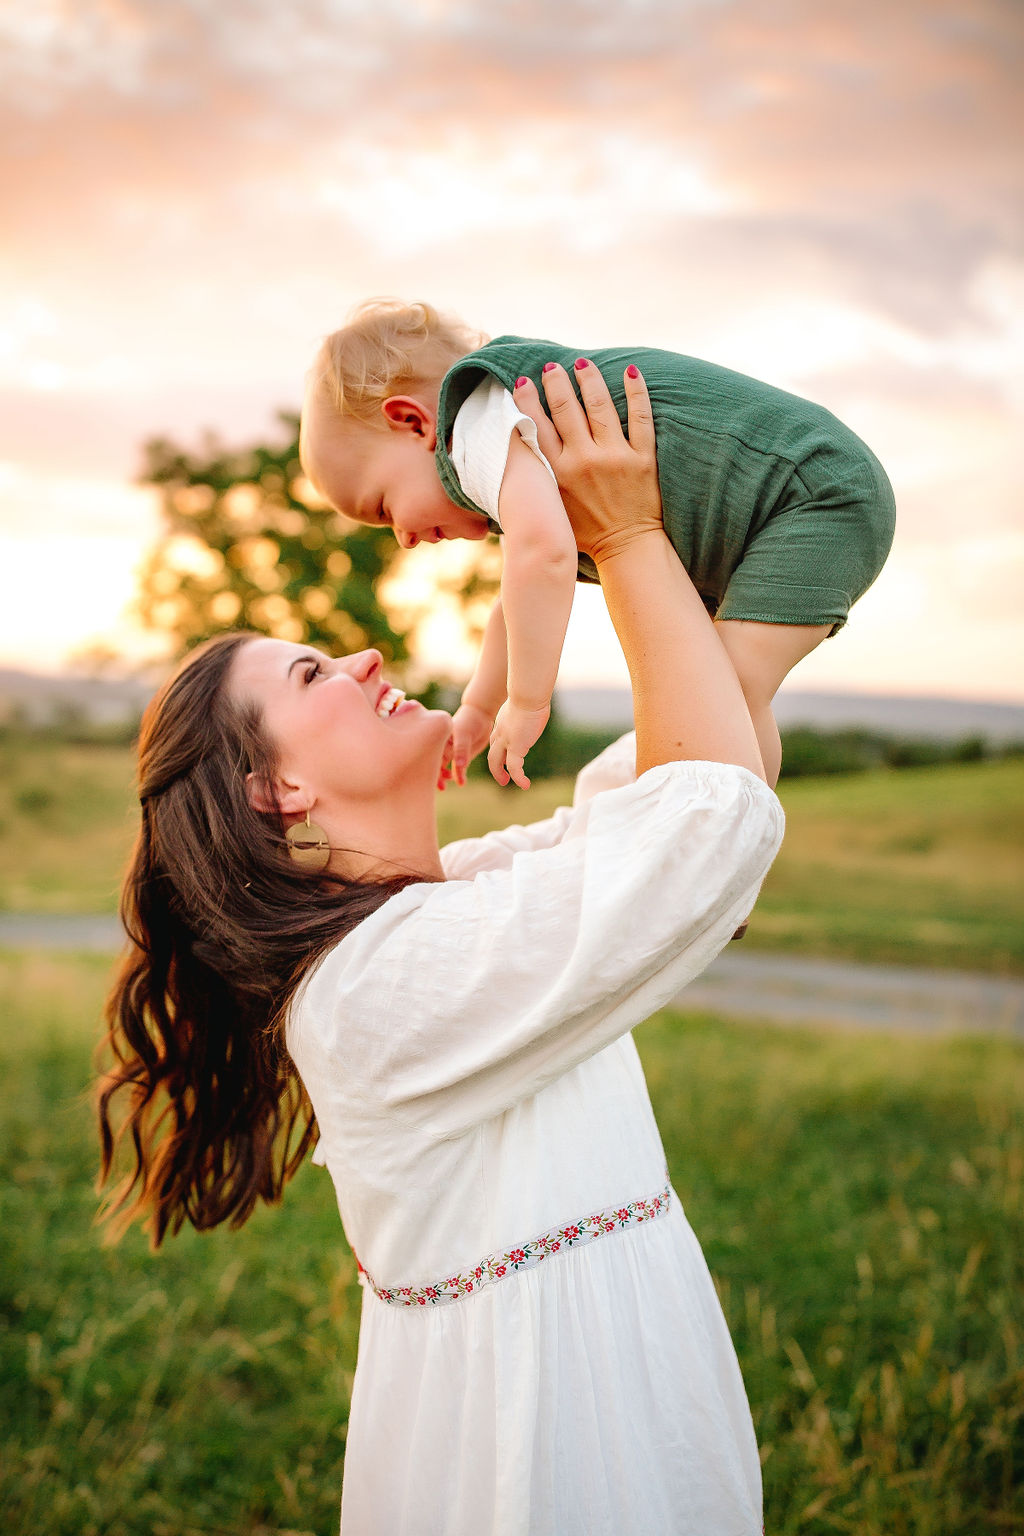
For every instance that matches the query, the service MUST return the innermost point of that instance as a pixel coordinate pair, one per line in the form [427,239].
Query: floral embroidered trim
[497,1265]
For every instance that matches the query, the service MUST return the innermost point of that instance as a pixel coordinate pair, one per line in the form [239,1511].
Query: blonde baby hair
[386,348]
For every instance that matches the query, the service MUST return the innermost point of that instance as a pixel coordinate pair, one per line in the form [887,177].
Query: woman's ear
[285,799]
[403,413]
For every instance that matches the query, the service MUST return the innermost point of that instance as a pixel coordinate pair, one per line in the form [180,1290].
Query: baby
[780,514]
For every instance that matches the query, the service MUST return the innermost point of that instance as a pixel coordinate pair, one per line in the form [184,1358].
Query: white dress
[542,1351]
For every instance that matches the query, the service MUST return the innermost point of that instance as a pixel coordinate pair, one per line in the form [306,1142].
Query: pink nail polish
[581,362]
[522,381]
[547,367]
[633,371]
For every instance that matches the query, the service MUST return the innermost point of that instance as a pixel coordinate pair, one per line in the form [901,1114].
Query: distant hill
[42,699]
[895,714]
[902,714]
[47,698]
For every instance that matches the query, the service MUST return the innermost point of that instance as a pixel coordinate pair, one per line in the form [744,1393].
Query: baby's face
[388,478]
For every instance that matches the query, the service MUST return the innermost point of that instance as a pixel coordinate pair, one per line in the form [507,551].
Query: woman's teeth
[389,702]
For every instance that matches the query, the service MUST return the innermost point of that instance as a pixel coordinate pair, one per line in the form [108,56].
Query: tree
[248,545]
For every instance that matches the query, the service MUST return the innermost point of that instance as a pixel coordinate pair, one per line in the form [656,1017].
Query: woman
[542,1350]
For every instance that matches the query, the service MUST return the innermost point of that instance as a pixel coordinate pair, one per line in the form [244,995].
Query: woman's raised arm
[687,699]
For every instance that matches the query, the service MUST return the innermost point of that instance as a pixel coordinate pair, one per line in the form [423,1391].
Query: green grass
[920,866]
[859,1199]
[67,819]
[203,1389]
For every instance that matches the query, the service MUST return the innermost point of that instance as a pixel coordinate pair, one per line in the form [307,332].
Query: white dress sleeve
[467,856]
[610,769]
[454,1001]
[481,434]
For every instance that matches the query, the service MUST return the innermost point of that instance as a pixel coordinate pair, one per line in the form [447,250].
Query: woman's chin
[436,726]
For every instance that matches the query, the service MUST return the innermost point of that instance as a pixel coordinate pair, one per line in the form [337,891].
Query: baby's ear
[404,413]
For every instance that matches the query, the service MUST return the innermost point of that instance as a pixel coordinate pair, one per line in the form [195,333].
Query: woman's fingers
[566,412]
[568,426]
[640,417]
[601,413]
[527,399]
[608,481]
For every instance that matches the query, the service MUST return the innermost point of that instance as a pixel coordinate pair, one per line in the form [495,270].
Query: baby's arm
[485,692]
[537,584]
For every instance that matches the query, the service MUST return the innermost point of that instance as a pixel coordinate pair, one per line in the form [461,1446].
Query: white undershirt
[481,434]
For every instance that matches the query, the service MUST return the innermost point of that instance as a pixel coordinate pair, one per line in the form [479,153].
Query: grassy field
[67,819]
[920,866]
[859,1200]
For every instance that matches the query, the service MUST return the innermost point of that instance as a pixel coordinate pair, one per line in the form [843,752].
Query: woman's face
[340,731]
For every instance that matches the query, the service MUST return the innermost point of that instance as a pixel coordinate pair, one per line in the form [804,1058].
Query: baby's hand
[471,731]
[515,731]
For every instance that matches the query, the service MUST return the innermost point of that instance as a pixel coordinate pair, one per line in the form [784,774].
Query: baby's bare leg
[763,654]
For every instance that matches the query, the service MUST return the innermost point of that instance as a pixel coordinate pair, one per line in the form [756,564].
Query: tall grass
[920,866]
[67,819]
[203,1389]
[860,1203]
[859,1200]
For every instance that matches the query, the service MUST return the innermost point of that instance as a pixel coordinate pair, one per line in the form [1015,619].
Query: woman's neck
[384,840]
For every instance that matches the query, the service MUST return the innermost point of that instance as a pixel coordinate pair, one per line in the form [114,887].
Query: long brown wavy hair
[222,928]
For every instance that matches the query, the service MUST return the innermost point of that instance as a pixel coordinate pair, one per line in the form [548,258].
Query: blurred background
[823,193]
[827,196]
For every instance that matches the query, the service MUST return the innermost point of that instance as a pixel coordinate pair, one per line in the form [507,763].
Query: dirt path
[46,931]
[778,988]
[794,990]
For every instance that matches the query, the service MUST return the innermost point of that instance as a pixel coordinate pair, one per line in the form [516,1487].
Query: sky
[826,194]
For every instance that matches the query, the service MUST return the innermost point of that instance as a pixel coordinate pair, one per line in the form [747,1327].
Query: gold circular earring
[308,845]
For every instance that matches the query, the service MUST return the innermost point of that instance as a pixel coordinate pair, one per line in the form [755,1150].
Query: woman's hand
[609,483]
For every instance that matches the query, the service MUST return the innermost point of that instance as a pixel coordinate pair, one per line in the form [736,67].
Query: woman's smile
[388,700]
[391,701]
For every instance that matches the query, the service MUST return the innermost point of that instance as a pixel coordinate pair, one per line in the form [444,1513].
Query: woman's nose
[363,664]
[406,539]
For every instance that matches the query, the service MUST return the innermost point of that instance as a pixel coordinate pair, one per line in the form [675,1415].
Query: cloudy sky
[823,193]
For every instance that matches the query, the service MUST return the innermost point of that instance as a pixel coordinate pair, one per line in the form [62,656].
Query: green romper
[778,511]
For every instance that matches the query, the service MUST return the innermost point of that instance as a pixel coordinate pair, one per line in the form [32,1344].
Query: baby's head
[369,420]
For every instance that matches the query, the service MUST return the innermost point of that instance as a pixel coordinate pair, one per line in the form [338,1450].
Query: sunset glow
[822,196]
